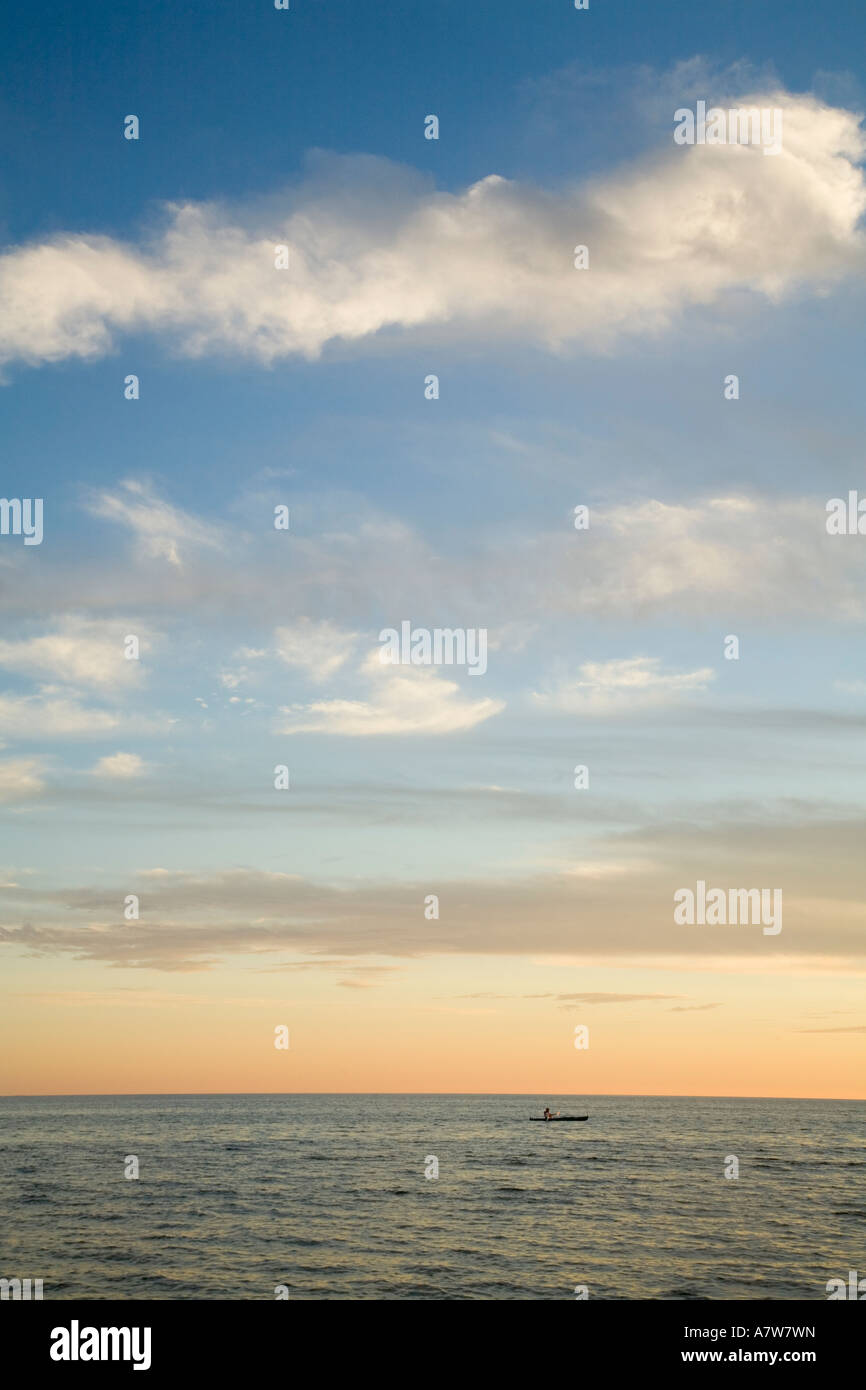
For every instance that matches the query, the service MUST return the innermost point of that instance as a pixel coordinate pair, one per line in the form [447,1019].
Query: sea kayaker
[547,1112]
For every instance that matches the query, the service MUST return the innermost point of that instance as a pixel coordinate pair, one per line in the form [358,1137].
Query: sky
[307,387]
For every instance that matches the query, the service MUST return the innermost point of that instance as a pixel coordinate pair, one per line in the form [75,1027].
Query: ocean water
[327,1195]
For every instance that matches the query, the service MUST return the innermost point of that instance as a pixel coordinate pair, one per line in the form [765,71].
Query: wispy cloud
[625,686]
[192,921]
[77,652]
[20,779]
[53,714]
[860,1028]
[317,648]
[119,766]
[403,700]
[593,997]
[655,559]
[161,531]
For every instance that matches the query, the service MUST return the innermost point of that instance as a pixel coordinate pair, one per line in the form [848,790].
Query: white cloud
[19,779]
[614,687]
[765,556]
[119,765]
[230,680]
[53,714]
[372,247]
[319,648]
[78,652]
[404,700]
[160,529]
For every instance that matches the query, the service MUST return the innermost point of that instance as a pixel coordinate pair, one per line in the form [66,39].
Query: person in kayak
[547,1112]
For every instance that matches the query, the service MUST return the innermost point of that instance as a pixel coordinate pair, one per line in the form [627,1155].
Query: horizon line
[624,1095]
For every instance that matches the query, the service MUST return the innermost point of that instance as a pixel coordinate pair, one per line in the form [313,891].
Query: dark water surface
[327,1195]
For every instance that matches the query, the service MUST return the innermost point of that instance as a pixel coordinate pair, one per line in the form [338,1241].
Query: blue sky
[230,108]
[412,257]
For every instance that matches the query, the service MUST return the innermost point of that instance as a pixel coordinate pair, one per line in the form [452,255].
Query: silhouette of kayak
[539,1119]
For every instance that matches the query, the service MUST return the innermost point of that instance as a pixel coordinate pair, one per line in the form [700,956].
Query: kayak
[553,1119]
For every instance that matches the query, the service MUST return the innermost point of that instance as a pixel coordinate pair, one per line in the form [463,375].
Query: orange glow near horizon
[730,1036]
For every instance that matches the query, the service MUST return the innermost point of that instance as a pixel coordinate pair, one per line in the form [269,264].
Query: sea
[430,1197]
